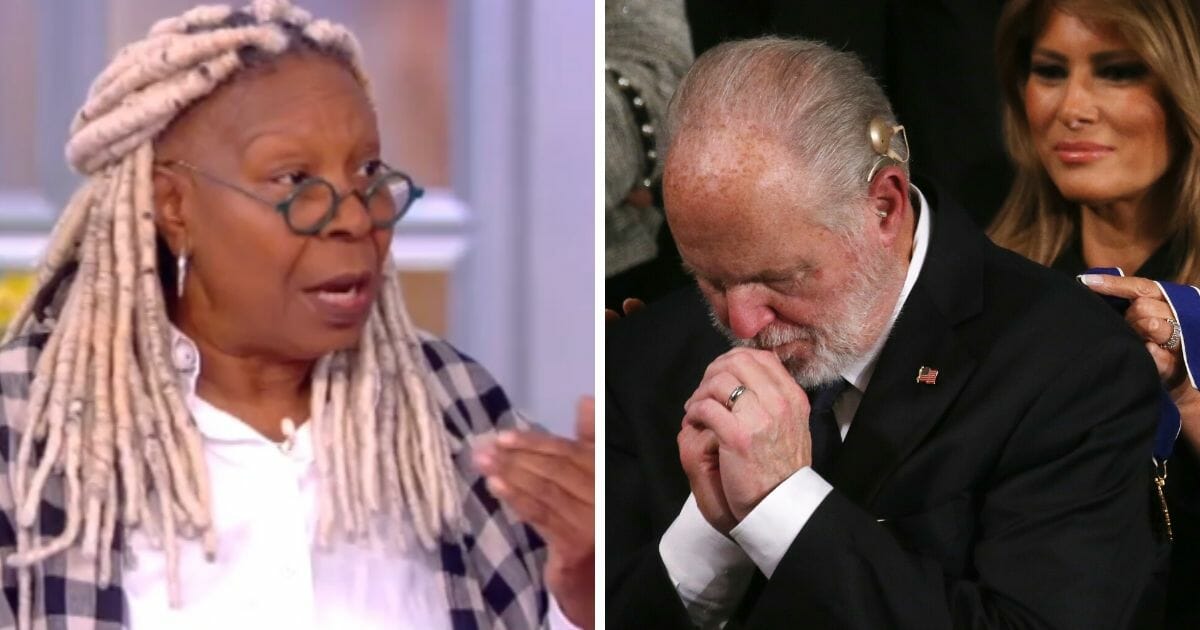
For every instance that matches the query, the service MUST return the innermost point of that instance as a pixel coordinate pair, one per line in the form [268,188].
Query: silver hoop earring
[181,263]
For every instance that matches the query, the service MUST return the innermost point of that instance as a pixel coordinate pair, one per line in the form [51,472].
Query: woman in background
[1102,118]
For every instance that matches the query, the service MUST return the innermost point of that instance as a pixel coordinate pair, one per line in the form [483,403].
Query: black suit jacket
[1014,492]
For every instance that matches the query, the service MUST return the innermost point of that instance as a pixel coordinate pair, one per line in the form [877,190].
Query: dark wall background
[934,58]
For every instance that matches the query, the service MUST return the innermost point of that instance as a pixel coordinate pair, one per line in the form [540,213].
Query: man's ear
[889,201]
[170,216]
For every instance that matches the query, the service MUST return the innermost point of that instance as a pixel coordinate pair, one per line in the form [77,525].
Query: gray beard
[841,340]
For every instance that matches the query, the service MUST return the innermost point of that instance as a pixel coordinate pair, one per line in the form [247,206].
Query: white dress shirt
[268,572]
[710,571]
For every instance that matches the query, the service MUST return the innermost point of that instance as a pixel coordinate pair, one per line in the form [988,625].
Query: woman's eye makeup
[1123,71]
[1048,70]
[1115,71]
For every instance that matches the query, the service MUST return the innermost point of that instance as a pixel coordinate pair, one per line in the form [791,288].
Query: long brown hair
[1035,220]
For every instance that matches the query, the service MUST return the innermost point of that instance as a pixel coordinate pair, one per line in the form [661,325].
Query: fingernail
[1154,324]
[1091,279]
[507,438]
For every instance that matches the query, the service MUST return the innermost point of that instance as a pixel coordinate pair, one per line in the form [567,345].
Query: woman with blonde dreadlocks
[215,411]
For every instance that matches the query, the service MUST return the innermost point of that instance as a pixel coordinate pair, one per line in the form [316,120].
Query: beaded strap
[641,117]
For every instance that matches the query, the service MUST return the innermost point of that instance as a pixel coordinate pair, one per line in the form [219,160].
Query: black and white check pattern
[492,565]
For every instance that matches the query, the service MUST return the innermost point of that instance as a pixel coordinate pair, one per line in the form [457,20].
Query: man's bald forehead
[731,152]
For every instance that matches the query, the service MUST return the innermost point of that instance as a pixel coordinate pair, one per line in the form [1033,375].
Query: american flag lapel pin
[927,375]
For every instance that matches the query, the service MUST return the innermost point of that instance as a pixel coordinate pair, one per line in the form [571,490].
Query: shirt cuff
[769,529]
[708,570]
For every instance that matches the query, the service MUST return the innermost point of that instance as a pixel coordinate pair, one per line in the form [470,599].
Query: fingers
[541,471]
[534,441]
[1169,365]
[771,394]
[718,387]
[769,361]
[698,453]
[1153,329]
[1142,308]
[568,464]
[547,492]
[1162,360]
[559,519]
[697,449]
[1148,318]
[697,439]
[518,444]
[706,413]
[1129,288]
[629,306]
[759,369]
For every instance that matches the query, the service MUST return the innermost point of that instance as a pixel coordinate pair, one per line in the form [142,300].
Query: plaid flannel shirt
[491,567]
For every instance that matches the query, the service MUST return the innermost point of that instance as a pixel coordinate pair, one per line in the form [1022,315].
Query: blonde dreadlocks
[105,403]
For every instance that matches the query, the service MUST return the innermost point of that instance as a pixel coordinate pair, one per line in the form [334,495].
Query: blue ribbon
[1184,301]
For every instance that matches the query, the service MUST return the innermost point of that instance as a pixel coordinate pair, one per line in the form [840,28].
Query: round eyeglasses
[314,202]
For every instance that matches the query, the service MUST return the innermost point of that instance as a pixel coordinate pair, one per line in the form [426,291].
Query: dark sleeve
[1063,537]
[639,593]
[1183,494]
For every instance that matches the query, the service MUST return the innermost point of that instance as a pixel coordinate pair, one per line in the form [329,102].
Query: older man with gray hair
[905,433]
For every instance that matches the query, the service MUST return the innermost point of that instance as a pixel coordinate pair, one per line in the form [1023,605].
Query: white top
[268,572]
[710,571]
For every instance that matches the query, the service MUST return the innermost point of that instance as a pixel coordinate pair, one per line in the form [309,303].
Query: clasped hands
[734,457]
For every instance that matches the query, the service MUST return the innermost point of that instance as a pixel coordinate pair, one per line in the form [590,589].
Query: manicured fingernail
[1091,279]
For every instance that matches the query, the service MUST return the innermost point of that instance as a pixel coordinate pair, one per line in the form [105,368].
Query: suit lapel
[897,412]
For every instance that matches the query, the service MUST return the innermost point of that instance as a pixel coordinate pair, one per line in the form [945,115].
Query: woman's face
[254,287]
[1095,113]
